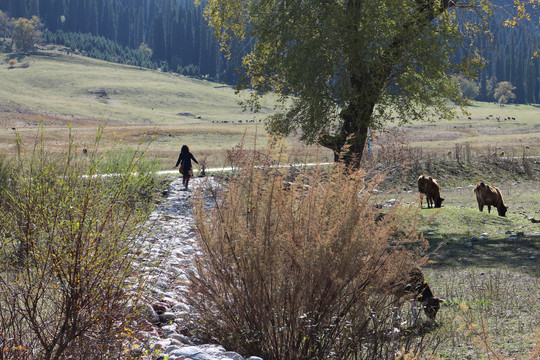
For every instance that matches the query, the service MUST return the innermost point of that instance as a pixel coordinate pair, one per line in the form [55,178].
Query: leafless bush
[307,271]
[390,154]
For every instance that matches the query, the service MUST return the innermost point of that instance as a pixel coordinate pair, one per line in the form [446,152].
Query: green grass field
[486,267]
[510,128]
[490,279]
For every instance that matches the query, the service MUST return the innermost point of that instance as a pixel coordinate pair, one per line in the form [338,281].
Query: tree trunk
[367,84]
[348,145]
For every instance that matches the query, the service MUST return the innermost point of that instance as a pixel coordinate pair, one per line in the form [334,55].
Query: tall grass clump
[308,269]
[114,162]
[6,178]
[67,256]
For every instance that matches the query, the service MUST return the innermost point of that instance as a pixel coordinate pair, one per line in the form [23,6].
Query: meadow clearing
[138,106]
[485,266]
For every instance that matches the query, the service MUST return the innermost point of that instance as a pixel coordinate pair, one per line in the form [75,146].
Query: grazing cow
[415,287]
[489,196]
[429,186]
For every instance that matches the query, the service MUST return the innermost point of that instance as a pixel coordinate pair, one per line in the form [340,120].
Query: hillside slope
[135,104]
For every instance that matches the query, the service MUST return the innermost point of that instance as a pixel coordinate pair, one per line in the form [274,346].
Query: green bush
[303,270]
[67,255]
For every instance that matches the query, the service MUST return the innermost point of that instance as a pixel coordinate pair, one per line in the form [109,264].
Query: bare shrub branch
[67,256]
[303,271]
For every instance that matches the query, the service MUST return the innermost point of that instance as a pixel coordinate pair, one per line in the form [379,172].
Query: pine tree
[124,24]
[137,34]
[91,17]
[33,7]
[158,38]
[74,14]
[17,9]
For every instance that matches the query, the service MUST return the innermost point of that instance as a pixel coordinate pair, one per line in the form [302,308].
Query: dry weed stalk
[477,331]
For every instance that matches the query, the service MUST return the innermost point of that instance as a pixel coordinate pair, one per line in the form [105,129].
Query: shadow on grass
[510,251]
[18,56]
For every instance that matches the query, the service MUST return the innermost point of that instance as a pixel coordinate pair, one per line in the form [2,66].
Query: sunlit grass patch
[488,313]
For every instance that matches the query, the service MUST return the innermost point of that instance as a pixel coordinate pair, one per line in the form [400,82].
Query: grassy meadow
[136,105]
[486,128]
[485,266]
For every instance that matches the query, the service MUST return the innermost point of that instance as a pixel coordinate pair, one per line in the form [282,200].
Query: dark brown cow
[489,196]
[428,186]
[415,287]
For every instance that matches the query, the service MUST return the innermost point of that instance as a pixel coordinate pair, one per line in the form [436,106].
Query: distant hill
[77,87]
[136,105]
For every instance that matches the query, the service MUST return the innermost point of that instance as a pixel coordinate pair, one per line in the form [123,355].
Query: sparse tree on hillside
[145,49]
[342,67]
[504,92]
[469,88]
[26,33]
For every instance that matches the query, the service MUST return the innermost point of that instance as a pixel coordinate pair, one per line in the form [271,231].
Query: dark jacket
[184,159]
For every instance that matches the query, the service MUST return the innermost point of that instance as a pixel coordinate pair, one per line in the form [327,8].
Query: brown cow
[429,186]
[488,195]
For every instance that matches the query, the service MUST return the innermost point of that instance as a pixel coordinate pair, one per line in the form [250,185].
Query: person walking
[186,168]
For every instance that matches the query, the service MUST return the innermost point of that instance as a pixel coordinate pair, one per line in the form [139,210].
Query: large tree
[341,67]
[504,92]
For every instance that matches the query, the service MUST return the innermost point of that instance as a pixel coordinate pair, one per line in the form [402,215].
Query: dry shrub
[310,270]
[68,240]
[390,154]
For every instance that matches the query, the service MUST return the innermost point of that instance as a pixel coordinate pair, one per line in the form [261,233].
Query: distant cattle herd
[486,195]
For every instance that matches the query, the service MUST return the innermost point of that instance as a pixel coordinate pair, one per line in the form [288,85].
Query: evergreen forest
[167,34]
[172,35]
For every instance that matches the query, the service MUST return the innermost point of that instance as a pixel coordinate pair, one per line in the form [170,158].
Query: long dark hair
[184,150]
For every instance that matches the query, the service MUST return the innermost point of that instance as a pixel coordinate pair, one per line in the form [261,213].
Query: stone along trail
[168,255]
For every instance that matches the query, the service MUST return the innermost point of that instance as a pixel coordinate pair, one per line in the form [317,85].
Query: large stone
[167,317]
[232,355]
[187,351]
[159,307]
[162,344]
[150,315]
